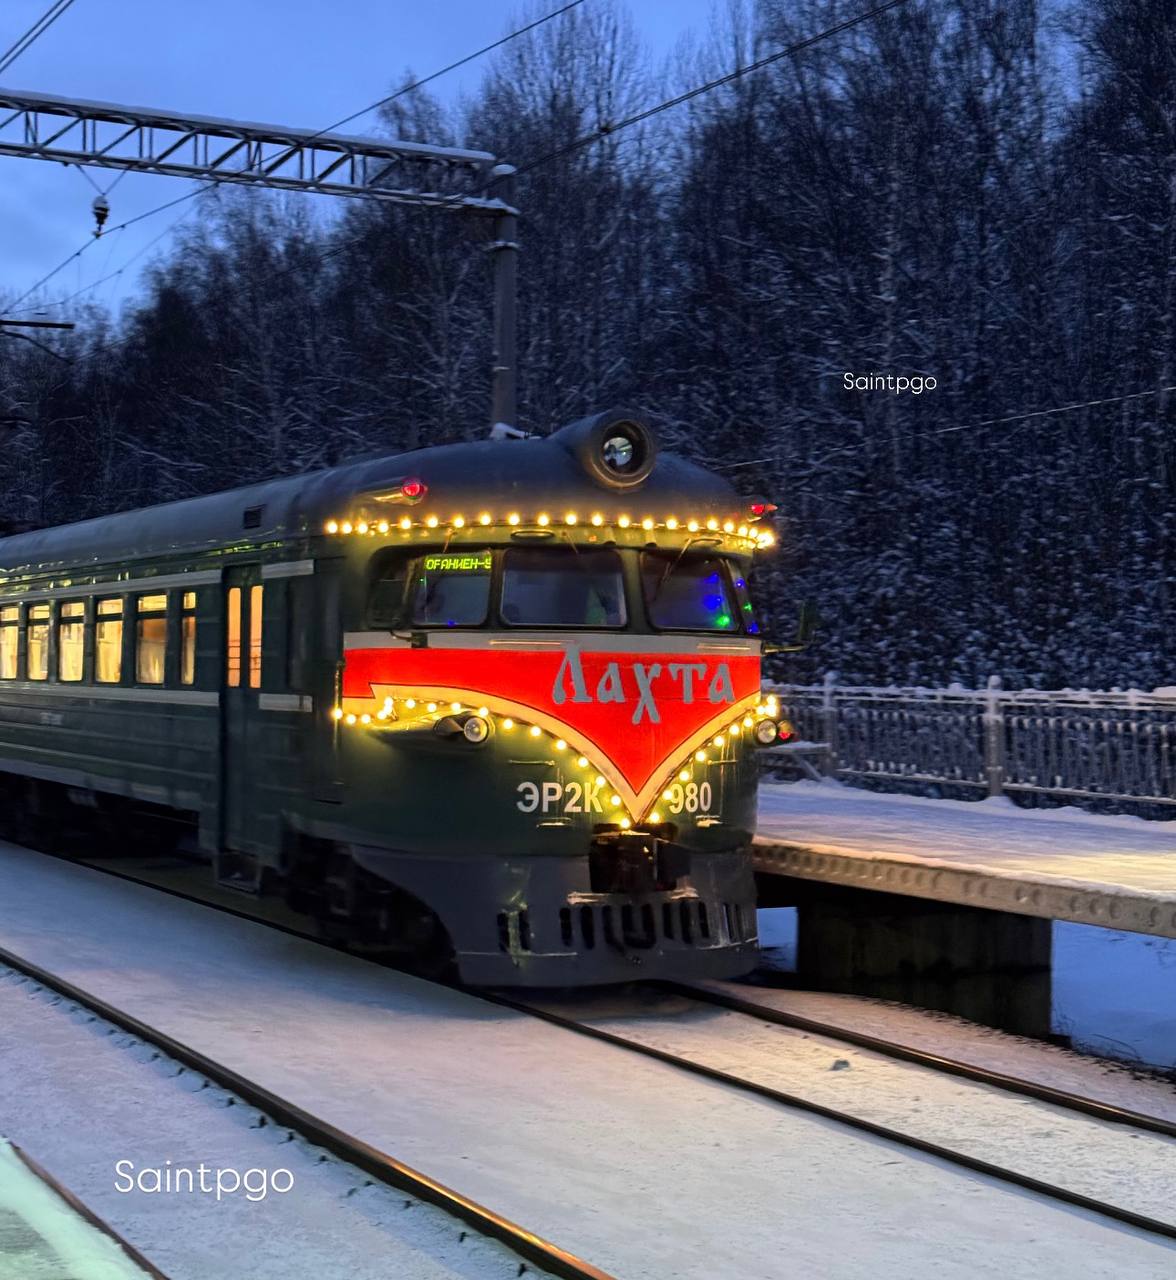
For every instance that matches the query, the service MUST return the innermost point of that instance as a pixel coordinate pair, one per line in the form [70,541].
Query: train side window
[38,642]
[562,587]
[9,640]
[233,639]
[188,638]
[151,639]
[108,641]
[452,589]
[256,603]
[71,640]
[389,575]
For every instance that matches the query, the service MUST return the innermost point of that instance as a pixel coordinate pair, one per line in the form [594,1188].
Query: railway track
[532,1250]
[1089,1107]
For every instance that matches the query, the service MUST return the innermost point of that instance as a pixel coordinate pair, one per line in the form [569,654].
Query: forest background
[979,192]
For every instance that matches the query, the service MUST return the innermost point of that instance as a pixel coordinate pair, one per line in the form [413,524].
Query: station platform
[46,1234]
[1056,864]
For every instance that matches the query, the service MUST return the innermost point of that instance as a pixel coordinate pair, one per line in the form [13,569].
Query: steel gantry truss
[107,135]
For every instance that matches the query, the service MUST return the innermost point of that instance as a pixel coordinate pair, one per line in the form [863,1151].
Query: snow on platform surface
[44,1238]
[633,1165]
[1067,847]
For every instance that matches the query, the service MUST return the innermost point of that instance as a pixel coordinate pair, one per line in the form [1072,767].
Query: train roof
[560,471]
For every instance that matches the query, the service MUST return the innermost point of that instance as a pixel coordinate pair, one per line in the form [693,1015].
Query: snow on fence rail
[1093,745]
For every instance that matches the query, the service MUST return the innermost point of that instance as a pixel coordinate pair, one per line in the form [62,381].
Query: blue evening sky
[296,62]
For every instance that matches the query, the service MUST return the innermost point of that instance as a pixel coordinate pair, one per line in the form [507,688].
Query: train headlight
[617,452]
[765,732]
[476,729]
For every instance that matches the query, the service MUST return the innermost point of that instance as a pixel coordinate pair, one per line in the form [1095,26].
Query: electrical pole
[109,136]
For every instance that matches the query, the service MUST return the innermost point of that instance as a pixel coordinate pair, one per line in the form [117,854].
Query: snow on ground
[646,1171]
[1123,1166]
[1063,846]
[80,1096]
[1114,993]
[43,1238]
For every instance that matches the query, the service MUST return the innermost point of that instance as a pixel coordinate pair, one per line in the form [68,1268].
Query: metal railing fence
[1064,743]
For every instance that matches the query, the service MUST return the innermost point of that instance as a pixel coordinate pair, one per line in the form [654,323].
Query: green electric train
[494,705]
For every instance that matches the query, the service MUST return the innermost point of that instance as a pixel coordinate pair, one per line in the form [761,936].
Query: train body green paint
[347,625]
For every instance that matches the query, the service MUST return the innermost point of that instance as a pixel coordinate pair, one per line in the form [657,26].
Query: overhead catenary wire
[205,186]
[38,29]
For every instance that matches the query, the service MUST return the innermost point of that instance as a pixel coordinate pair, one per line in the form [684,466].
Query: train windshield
[687,593]
[452,589]
[562,587]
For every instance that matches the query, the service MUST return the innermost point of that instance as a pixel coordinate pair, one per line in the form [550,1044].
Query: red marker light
[762,508]
[414,489]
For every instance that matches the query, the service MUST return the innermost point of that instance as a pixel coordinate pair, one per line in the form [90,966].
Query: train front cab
[559,741]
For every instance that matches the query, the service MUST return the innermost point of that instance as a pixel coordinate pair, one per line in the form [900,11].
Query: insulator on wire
[101,207]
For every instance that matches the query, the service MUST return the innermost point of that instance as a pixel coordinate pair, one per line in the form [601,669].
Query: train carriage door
[241,747]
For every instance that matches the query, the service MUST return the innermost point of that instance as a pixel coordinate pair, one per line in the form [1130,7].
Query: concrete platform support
[992,967]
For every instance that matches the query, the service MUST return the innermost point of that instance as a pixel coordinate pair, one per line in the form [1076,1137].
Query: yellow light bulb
[459,522]
[560,745]
[728,526]
[655,816]
[582,761]
[667,794]
[337,714]
[432,522]
[597,519]
[748,722]
[543,519]
[570,518]
[614,800]
[767,539]
[362,527]
[671,523]
[332,526]
[692,525]
[405,522]
[599,780]
[625,824]
[647,523]
[718,739]
[484,518]
[508,723]
[534,731]
[712,524]
[743,531]
[410,703]
[431,707]
[483,712]
[383,526]
[624,522]
[350,719]
[513,518]
[455,706]
[700,756]
[365,718]
[684,775]
[735,728]
[345,527]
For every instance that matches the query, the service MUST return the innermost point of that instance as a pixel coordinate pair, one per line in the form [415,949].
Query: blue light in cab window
[712,602]
[740,583]
[753,628]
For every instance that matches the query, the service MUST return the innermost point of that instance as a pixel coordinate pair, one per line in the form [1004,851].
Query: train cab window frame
[108,640]
[71,641]
[747,611]
[37,627]
[188,638]
[576,574]
[712,612]
[151,639]
[459,606]
[9,641]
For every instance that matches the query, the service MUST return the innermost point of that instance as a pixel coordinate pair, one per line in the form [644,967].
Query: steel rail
[974,1164]
[1107,1111]
[380,1166]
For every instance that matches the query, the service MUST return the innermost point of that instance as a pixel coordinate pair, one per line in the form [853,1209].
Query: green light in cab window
[475,563]
[723,620]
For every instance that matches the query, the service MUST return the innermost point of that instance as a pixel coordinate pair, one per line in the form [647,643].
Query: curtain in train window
[9,640]
[256,596]
[108,633]
[38,642]
[71,635]
[188,639]
[151,639]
